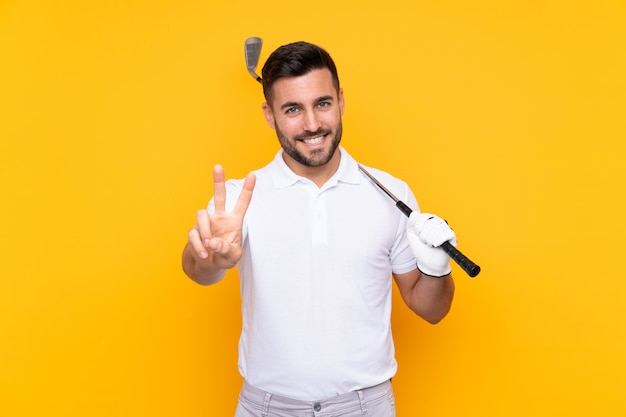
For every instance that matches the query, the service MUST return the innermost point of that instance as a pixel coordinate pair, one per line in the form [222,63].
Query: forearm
[203,275]
[431,298]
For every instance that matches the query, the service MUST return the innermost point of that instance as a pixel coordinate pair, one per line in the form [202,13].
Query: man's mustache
[308,134]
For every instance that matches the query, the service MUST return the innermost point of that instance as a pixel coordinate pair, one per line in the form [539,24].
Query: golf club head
[253,53]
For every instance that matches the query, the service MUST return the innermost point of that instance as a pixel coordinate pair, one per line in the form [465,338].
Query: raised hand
[215,241]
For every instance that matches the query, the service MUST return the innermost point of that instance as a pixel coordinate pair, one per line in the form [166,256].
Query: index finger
[243,201]
[219,189]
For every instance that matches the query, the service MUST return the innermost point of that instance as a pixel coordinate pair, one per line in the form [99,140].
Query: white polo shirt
[316,279]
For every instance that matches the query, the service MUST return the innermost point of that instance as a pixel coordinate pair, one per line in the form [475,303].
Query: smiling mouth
[314,141]
[313,138]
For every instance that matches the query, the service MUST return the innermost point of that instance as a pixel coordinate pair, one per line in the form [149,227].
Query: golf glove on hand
[426,232]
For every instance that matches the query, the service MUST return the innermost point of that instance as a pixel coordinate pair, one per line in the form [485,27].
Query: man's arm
[214,243]
[429,289]
[430,298]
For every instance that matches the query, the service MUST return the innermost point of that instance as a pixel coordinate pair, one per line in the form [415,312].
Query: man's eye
[324,104]
[291,110]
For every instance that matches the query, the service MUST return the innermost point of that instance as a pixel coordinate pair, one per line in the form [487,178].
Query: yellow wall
[507,119]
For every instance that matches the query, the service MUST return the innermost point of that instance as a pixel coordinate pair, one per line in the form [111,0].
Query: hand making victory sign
[214,243]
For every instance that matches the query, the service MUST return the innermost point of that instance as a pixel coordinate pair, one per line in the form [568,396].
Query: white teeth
[314,141]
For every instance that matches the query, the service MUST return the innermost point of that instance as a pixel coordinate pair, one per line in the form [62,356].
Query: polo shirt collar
[348,171]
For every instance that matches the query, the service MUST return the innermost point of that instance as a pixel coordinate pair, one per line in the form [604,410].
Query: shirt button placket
[319,223]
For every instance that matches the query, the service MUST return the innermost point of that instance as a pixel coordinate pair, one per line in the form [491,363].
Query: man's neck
[318,175]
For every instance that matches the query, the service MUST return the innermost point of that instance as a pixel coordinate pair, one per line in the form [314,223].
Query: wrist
[434,272]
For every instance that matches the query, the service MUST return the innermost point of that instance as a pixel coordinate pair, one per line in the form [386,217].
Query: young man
[316,244]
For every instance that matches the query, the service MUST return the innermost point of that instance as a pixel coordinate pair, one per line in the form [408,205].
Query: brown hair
[293,60]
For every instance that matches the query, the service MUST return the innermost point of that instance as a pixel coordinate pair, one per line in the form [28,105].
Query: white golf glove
[426,232]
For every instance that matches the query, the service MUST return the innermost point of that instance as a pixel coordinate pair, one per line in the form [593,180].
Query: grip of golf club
[456,255]
[404,208]
[463,261]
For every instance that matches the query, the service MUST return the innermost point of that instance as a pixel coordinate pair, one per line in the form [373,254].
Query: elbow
[434,316]
[434,319]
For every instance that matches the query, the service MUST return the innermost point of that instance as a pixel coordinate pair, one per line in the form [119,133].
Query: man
[316,245]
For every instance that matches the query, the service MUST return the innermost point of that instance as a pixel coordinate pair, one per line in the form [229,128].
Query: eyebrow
[297,104]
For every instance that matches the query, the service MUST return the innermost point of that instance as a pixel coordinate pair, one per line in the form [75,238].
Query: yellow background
[506,118]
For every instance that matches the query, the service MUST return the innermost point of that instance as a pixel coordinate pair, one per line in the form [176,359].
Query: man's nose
[311,121]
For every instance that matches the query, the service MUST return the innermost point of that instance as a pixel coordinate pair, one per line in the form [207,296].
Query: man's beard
[318,156]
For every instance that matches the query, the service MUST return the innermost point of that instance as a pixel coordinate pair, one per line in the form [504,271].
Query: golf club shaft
[456,255]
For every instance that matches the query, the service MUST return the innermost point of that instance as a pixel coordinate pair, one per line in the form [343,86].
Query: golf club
[252,50]
[463,261]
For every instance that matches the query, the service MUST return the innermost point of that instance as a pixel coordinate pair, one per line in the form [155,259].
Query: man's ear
[342,102]
[269,115]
